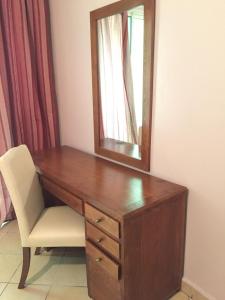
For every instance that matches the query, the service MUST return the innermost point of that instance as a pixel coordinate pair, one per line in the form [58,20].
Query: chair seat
[58,227]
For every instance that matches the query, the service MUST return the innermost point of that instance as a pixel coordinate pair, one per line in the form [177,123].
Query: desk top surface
[115,189]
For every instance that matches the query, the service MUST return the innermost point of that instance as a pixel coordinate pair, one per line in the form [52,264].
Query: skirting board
[193,291]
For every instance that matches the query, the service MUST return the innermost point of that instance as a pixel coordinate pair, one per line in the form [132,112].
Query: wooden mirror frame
[149,28]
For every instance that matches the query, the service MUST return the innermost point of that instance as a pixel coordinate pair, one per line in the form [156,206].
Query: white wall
[188,144]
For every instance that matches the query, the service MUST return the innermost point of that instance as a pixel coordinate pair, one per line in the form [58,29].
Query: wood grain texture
[103,241]
[115,190]
[101,285]
[102,221]
[68,198]
[149,29]
[155,241]
[102,260]
[149,212]
[130,150]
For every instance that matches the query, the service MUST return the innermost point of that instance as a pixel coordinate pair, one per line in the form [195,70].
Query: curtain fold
[27,47]
[28,107]
[128,80]
[5,130]
[116,88]
[5,143]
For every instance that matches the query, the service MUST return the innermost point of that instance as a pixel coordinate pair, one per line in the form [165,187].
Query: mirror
[122,59]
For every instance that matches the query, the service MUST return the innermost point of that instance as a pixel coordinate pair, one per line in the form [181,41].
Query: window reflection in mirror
[120,52]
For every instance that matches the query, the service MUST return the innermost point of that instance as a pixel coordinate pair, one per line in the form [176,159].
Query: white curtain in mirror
[136,44]
[116,83]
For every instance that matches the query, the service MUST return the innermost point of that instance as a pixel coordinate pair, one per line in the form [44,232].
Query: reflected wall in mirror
[122,60]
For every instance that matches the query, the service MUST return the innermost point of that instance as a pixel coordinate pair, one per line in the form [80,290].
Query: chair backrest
[22,182]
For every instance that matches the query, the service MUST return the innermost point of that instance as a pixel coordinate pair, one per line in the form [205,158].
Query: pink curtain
[28,108]
[5,143]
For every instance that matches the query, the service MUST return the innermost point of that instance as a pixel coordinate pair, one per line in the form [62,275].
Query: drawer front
[101,239]
[68,198]
[102,221]
[102,261]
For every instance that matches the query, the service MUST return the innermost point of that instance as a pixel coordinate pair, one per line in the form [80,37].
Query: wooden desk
[135,224]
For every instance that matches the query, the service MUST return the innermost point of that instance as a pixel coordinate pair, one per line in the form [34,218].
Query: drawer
[101,239]
[102,221]
[68,198]
[102,261]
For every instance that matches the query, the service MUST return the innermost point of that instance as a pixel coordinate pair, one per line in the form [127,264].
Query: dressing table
[135,223]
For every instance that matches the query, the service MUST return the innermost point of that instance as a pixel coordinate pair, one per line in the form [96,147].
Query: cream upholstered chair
[38,226]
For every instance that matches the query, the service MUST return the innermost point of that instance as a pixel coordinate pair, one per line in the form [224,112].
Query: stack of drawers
[102,241]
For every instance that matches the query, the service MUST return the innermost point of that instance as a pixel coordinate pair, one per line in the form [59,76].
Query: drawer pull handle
[99,240]
[98,220]
[98,260]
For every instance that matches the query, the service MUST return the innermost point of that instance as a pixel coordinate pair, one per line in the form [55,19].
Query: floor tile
[11,226]
[179,296]
[2,233]
[8,266]
[10,243]
[2,287]
[54,275]
[188,290]
[68,293]
[71,272]
[3,229]
[42,270]
[32,292]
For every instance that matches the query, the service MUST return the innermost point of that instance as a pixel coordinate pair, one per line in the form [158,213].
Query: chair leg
[25,268]
[37,251]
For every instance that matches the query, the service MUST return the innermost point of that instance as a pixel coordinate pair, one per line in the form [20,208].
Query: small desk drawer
[102,221]
[70,199]
[101,260]
[102,240]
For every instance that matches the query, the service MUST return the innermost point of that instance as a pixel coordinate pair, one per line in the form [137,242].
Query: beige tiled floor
[56,275]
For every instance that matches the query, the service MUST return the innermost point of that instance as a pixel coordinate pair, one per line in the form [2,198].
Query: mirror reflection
[120,55]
